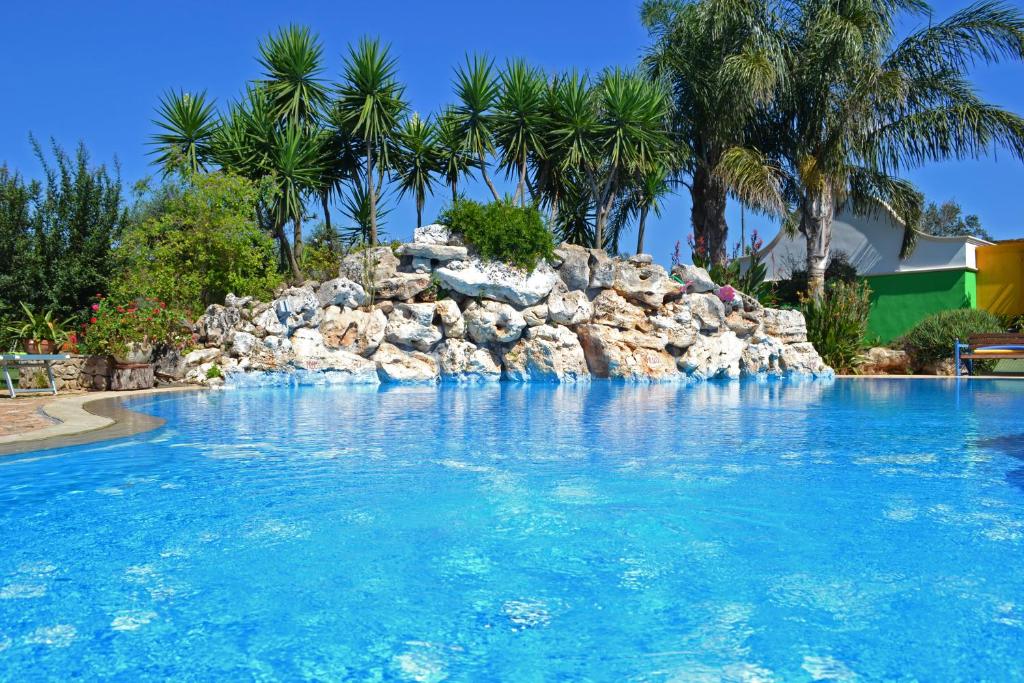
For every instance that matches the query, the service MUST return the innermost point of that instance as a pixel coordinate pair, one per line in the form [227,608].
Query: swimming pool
[846,530]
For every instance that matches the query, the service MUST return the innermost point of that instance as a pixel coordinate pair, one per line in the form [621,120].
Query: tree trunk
[325,202]
[816,215]
[521,188]
[487,179]
[370,190]
[419,212]
[455,192]
[288,255]
[297,235]
[708,213]
[640,229]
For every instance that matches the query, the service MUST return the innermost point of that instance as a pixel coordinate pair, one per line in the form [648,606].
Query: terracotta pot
[137,353]
[39,346]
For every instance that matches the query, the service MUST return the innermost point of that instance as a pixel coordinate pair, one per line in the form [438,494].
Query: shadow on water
[1013,446]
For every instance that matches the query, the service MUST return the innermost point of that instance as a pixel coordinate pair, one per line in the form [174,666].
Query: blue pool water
[854,530]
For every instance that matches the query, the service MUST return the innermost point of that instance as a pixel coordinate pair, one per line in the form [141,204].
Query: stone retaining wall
[79,372]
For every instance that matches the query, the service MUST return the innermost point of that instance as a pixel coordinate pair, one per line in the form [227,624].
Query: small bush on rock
[501,231]
[932,339]
[837,323]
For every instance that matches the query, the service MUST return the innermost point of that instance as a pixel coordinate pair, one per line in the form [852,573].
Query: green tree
[861,110]
[188,123]
[369,106]
[455,160]
[521,122]
[195,239]
[418,161]
[947,220]
[477,89]
[724,61]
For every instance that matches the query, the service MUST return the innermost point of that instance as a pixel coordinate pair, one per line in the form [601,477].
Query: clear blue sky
[93,71]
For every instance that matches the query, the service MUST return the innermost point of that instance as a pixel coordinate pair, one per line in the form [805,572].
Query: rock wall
[91,373]
[432,310]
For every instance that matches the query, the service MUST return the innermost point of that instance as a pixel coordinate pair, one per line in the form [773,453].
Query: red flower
[163,305]
[120,309]
[92,320]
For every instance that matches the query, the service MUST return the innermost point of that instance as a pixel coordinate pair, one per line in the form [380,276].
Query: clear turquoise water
[855,530]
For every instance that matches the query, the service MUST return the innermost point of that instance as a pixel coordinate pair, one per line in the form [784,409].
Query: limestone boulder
[309,352]
[412,325]
[402,286]
[358,332]
[498,281]
[801,358]
[696,279]
[643,283]
[198,357]
[432,234]
[232,301]
[493,322]
[369,265]
[787,325]
[741,323]
[546,353]
[570,308]
[242,344]
[626,354]
[761,356]
[614,311]
[711,357]
[442,253]
[217,321]
[395,365]
[266,323]
[677,324]
[297,307]
[342,292]
[574,269]
[602,269]
[880,360]
[451,318]
[535,315]
[709,312]
[463,360]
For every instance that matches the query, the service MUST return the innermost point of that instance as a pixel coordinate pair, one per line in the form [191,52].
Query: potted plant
[39,333]
[129,331]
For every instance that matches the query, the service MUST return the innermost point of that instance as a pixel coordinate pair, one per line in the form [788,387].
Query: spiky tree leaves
[188,123]
[418,161]
[477,88]
[369,106]
[292,65]
[454,160]
[861,112]
[521,121]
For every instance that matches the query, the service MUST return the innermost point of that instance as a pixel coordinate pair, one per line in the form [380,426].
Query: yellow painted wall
[1001,278]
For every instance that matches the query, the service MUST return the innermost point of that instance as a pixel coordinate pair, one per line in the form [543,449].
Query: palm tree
[859,113]
[369,107]
[418,161]
[723,61]
[454,159]
[188,123]
[357,207]
[477,88]
[646,194]
[610,133]
[520,121]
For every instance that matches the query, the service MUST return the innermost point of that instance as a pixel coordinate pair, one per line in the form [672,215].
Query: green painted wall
[900,301]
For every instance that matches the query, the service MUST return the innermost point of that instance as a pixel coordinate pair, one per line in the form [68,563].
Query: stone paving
[23,414]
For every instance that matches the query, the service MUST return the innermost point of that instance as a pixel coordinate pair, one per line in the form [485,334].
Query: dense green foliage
[57,236]
[932,339]
[837,323]
[195,239]
[502,231]
[115,325]
[948,220]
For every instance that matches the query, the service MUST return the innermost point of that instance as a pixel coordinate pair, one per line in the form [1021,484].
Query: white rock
[546,353]
[602,269]
[575,265]
[570,308]
[242,344]
[232,301]
[678,326]
[359,332]
[412,325]
[710,357]
[498,281]
[708,310]
[646,284]
[435,252]
[462,360]
[267,323]
[451,318]
[310,353]
[535,315]
[761,357]
[200,356]
[801,358]
[298,306]
[626,354]
[432,234]
[369,265]
[396,365]
[401,286]
[612,310]
[787,325]
[697,277]
[342,292]
[490,322]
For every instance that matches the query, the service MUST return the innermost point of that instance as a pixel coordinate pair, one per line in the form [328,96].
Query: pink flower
[95,307]
[726,293]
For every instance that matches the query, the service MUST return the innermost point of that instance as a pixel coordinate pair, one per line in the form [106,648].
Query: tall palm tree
[188,123]
[370,106]
[861,110]
[520,121]
[477,87]
[646,196]
[724,61]
[455,160]
[418,161]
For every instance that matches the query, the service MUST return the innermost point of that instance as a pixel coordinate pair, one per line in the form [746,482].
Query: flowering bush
[749,280]
[113,328]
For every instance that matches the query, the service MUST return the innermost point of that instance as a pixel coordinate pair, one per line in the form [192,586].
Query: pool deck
[44,422]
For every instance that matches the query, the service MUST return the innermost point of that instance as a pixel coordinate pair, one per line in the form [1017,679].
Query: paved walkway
[21,415]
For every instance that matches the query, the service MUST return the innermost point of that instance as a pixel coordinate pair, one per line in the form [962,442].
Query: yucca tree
[477,89]
[610,133]
[370,106]
[724,62]
[454,159]
[646,195]
[418,161]
[188,123]
[860,110]
[521,121]
[292,62]
[356,207]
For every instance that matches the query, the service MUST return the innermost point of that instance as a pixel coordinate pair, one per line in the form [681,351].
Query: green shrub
[932,339]
[836,324]
[194,241]
[501,231]
[213,372]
